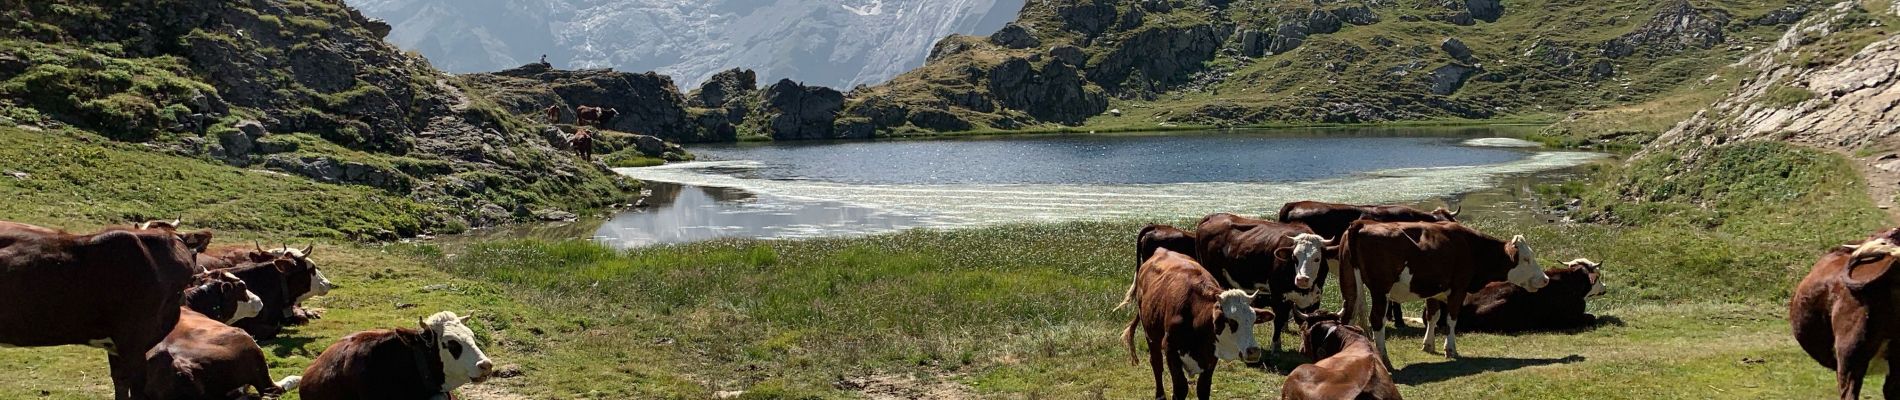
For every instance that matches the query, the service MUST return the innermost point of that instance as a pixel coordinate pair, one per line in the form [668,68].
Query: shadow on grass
[1422,373]
[287,344]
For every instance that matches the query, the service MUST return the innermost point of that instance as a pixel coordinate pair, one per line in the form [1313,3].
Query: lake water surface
[778,190]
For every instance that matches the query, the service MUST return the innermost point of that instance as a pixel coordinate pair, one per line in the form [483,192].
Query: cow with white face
[1190,322]
[425,363]
[1285,263]
[1441,261]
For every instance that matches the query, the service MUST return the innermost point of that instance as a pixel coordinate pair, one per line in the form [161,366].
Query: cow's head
[304,277]
[1444,215]
[1525,273]
[462,361]
[219,294]
[1320,334]
[1592,269]
[1308,253]
[1233,326]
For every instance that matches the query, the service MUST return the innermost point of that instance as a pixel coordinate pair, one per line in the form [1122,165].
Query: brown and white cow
[277,283]
[582,143]
[204,358]
[1845,312]
[424,363]
[1504,307]
[1151,238]
[1331,219]
[1284,261]
[596,116]
[1190,322]
[1409,261]
[117,289]
[1345,364]
[301,282]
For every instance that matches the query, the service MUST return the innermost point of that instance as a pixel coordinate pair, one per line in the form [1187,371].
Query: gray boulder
[1449,78]
[1015,36]
[724,87]
[798,112]
[1070,54]
[1677,26]
[1456,49]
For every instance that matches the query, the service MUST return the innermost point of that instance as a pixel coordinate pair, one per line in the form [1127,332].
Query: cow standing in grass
[117,289]
[1409,261]
[596,116]
[1190,322]
[1283,261]
[1329,220]
[583,144]
[1845,312]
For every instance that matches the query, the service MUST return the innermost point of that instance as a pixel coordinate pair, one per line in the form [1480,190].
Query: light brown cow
[118,289]
[1410,261]
[1190,322]
[1345,364]
[424,363]
[1844,312]
[203,358]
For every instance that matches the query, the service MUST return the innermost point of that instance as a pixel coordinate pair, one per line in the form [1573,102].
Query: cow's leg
[1396,314]
[1851,367]
[1155,360]
[1891,389]
[1281,311]
[1178,371]
[1431,324]
[1378,327]
[1451,320]
[1205,386]
[127,377]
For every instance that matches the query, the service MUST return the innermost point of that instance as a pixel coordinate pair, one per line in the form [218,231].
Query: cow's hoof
[1451,354]
[1430,350]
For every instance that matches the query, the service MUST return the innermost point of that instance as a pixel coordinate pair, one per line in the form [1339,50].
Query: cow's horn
[260,245]
[178,222]
[308,249]
[1461,209]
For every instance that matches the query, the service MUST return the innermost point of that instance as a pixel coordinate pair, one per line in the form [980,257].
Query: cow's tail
[1128,339]
[290,383]
[1129,299]
[1349,285]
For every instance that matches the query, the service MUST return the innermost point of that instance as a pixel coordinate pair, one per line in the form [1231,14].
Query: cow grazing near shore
[1329,220]
[1190,322]
[1345,364]
[596,116]
[583,144]
[117,289]
[203,358]
[1504,307]
[1284,261]
[1844,313]
[424,363]
[1409,261]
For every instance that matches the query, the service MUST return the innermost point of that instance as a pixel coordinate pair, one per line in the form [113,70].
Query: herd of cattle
[1197,293]
[180,319]
[582,141]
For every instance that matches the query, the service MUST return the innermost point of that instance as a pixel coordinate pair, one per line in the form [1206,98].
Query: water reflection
[680,213]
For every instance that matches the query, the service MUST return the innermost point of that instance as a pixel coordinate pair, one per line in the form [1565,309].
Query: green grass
[630,158]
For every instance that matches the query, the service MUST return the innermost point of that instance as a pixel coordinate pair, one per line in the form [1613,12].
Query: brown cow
[1282,260]
[116,289]
[583,144]
[554,114]
[425,363]
[1345,364]
[301,283]
[1152,237]
[596,116]
[1504,307]
[1408,261]
[1844,313]
[204,358]
[1190,322]
[1330,219]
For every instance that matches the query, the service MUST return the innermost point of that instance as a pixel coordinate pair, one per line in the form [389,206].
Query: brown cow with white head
[118,289]
[1190,322]
[1845,311]
[205,358]
[424,363]
[1345,364]
[1410,261]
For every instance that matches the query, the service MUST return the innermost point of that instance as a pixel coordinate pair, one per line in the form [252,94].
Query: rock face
[1677,26]
[1456,49]
[1157,57]
[730,85]
[648,103]
[794,111]
[1843,106]
[1055,92]
[1449,78]
[1016,37]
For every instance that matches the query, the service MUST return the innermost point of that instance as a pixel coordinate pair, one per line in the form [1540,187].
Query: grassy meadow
[1699,263]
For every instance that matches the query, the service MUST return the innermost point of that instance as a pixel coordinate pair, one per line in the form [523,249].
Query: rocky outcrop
[647,103]
[1844,106]
[1015,37]
[724,87]
[1156,58]
[1447,79]
[1467,12]
[1070,54]
[1677,26]
[793,111]
[1088,17]
[1054,92]
[1456,49]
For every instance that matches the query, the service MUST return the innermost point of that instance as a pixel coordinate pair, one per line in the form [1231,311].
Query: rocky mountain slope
[1245,62]
[830,43]
[306,88]
[1831,83]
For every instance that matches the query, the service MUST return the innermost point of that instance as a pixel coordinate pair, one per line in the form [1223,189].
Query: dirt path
[903,387]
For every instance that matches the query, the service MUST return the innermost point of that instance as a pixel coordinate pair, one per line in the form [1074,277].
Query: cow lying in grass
[1345,364]
[203,357]
[1507,308]
[428,362]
